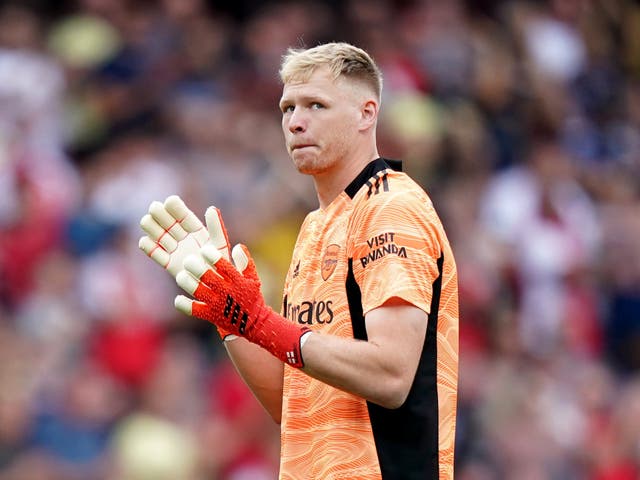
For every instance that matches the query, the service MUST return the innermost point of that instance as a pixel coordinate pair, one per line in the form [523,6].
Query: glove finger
[154,251]
[157,233]
[217,232]
[167,221]
[187,282]
[201,269]
[188,220]
[198,309]
[194,287]
[224,268]
[184,304]
[249,269]
[240,257]
[202,310]
[210,254]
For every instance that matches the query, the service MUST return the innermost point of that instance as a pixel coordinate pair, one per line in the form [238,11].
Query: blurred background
[520,118]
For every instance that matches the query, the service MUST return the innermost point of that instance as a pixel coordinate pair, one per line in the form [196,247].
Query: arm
[381,369]
[262,372]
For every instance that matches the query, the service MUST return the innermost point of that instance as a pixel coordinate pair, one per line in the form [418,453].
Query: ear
[368,113]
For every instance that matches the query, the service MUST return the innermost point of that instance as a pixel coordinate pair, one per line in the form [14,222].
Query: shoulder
[391,191]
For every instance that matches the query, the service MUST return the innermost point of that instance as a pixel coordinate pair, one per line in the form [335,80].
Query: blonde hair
[341,58]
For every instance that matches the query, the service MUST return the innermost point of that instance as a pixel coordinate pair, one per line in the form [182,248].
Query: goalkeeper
[360,366]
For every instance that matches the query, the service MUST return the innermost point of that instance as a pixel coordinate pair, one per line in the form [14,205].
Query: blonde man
[360,368]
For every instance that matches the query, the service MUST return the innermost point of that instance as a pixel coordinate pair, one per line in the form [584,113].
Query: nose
[296,122]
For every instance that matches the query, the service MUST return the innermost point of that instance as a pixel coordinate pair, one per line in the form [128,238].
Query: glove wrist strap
[278,336]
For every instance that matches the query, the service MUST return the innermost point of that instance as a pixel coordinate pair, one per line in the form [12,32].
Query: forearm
[352,365]
[262,372]
[356,366]
[381,369]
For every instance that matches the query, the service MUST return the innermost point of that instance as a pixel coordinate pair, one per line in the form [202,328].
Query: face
[320,121]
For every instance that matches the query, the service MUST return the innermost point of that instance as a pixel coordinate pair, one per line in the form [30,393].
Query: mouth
[301,146]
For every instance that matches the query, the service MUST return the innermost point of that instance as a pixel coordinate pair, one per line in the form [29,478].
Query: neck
[331,183]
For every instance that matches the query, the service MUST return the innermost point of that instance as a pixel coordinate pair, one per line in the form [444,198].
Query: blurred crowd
[520,118]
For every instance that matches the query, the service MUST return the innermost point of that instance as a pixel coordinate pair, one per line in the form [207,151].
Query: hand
[230,298]
[175,232]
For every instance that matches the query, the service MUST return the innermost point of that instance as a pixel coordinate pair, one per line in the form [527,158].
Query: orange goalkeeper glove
[233,301]
[174,232]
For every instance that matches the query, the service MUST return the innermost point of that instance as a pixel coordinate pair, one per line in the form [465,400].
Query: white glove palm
[174,232]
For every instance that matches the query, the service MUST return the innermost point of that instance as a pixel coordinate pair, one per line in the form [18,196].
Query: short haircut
[341,58]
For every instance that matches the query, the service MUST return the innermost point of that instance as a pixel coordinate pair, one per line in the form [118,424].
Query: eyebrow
[316,97]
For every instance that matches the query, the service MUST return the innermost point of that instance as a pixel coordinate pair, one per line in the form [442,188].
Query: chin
[306,169]
[307,164]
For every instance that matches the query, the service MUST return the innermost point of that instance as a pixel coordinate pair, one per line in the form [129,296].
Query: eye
[316,106]
[287,108]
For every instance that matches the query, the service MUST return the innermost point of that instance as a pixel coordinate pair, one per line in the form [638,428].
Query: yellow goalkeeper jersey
[380,238]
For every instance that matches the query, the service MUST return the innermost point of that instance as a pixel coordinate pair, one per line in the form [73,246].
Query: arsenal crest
[329,261]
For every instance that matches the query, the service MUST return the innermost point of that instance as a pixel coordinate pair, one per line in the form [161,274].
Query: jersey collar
[369,171]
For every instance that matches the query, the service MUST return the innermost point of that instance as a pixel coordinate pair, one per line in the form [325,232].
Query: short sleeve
[395,249]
